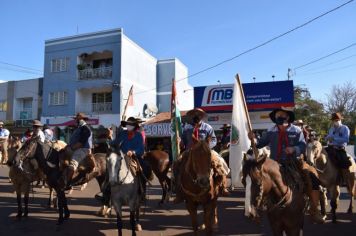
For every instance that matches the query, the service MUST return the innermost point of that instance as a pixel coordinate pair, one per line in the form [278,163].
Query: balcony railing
[96,73]
[24,114]
[94,108]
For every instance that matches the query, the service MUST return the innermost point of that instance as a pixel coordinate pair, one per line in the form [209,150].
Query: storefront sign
[158,130]
[259,96]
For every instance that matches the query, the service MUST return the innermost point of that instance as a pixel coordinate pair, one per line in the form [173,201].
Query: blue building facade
[93,73]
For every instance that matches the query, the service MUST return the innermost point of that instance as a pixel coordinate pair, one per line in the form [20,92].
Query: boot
[67,178]
[314,211]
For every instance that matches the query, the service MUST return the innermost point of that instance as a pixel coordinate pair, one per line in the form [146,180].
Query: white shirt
[39,133]
[4,133]
[48,133]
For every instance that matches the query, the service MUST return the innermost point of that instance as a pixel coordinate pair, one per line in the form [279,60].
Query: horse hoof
[25,214]
[66,216]
[138,227]
[60,221]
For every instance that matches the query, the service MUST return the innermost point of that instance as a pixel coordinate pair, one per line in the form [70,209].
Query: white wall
[26,89]
[185,91]
[138,68]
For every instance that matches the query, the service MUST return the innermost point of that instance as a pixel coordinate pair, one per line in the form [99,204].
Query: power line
[22,67]
[329,70]
[254,48]
[322,58]
[331,63]
[21,71]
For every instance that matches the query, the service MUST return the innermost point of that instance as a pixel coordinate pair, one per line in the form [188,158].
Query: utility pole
[254,79]
[289,73]
[273,76]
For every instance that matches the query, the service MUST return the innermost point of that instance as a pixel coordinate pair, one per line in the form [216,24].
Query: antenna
[77,29]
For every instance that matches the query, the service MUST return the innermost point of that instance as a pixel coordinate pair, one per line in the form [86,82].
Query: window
[58,98]
[60,64]
[102,97]
[2,106]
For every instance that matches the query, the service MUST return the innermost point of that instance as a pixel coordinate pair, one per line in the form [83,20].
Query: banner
[176,123]
[239,142]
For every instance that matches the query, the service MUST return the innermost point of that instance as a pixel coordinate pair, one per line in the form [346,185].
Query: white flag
[239,142]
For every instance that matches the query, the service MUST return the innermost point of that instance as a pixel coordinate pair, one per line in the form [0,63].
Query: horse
[199,187]
[159,162]
[49,161]
[329,175]
[269,189]
[125,189]
[21,179]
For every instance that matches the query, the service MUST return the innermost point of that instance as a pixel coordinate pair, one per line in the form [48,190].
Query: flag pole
[123,117]
[253,144]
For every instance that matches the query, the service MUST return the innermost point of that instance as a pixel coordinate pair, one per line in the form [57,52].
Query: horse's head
[28,149]
[115,164]
[314,149]
[253,174]
[200,156]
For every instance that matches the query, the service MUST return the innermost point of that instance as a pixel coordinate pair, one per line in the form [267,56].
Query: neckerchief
[282,138]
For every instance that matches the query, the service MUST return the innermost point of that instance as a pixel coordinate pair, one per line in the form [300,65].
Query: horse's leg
[209,212]
[60,206]
[119,221]
[133,222]
[334,192]
[323,202]
[350,182]
[25,200]
[137,215]
[65,207]
[164,190]
[276,228]
[295,231]
[215,216]
[19,204]
[192,209]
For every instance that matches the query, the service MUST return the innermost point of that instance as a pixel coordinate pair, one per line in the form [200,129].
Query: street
[166,220]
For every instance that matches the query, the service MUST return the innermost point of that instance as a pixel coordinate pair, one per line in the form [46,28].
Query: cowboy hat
[37,123]
[196,111]
[80,115]
[336,116]
[130,121]
[225,126]
[299,122]
[290,113]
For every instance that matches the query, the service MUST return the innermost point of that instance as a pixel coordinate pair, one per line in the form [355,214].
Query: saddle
[338,157]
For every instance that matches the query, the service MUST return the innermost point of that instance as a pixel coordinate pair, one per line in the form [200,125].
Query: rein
[127,173]
[194,180]
[285,200]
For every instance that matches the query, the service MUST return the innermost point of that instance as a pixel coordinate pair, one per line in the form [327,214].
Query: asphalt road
[166,220]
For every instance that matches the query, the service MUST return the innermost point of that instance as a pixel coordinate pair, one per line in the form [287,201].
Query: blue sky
[200,33]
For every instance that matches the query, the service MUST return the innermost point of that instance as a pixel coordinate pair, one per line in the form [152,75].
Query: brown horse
[159,162]
[199,187]
[329,175]
[285,203]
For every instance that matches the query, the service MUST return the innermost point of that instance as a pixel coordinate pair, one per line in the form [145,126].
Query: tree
[311,111]
[342,98]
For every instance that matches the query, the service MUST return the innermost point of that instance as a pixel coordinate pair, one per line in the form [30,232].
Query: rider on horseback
[287,144]
[338,137]
[4,136]
[78,149]
[200,130]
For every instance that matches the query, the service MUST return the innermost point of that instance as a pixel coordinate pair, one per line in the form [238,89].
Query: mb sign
[220,95]
[259,96]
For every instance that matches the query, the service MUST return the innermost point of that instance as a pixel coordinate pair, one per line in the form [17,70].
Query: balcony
[95,108]
[95,73]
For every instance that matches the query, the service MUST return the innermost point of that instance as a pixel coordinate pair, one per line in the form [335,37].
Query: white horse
[124,190]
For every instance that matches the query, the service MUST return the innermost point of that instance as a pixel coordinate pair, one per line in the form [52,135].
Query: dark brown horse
[199,186]
[285,202]
[159,162]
